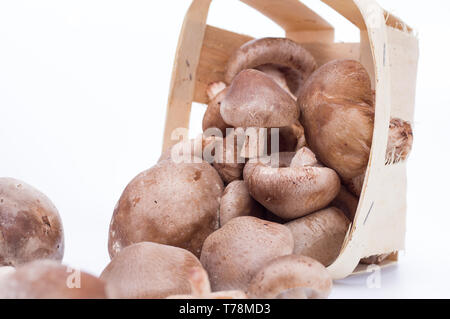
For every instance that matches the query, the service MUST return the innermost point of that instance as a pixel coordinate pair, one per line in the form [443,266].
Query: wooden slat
[219,44]
[291,15]
[186,62]
[349,10]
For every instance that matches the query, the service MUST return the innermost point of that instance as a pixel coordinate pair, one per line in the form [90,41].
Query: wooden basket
[389,51]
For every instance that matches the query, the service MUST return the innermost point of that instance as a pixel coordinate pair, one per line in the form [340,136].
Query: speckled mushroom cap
[278,51]
[149,271]
[320,235]
[336,104]
[48,279]
[291,192]
[30,226]
[286,273]
[173,204]
[233,254]
[255,100]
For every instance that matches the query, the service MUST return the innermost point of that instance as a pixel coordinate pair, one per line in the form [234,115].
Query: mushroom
[346,202]
[201,288]
[304,157]
[294,61]
[320,235]
[236,201]
[355,184]
[173,204]
[279,77]
[30,225]
[212,117]
[255,100]
[227,158]
[336,104]
[48,279]
[292,137]
[291,276]
[337,112]
[399,141]
[233,254]
[291,192]
[375,259]
[149,271]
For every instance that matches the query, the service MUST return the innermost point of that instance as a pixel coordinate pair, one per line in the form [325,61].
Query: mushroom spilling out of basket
[257,210]
[261,203]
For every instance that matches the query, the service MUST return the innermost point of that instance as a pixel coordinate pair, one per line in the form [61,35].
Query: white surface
[83,91]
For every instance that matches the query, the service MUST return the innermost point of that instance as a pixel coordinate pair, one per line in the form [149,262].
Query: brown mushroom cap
[201,288]
[346,202]
[173,204]
[30,226]
[320,235]
[236,201]
[233,254]
[255,100]
[291,192]
[355,184]
[374,260]
[400,141]
[227,159]
[149,270]
[212,117]
[48,279]
[292,137]
[279,51]
[336,104]
[286,273]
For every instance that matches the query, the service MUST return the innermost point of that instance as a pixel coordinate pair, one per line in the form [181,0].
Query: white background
[83,91]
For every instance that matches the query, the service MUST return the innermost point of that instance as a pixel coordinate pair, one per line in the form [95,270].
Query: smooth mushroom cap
[233,254]
[48,279]
[212,117]
[320,235]
[149,271]
[285,273]
[400,141]
[255,100]
[201,288]
[291,192]
[336,104]
[236,201]
[173,204]
[346,202]
[30,225]
[279,51]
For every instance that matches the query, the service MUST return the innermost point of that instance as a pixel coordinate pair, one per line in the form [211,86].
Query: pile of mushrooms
[245,222]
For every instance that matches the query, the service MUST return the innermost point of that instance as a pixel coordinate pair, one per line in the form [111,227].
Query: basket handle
[187,58]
